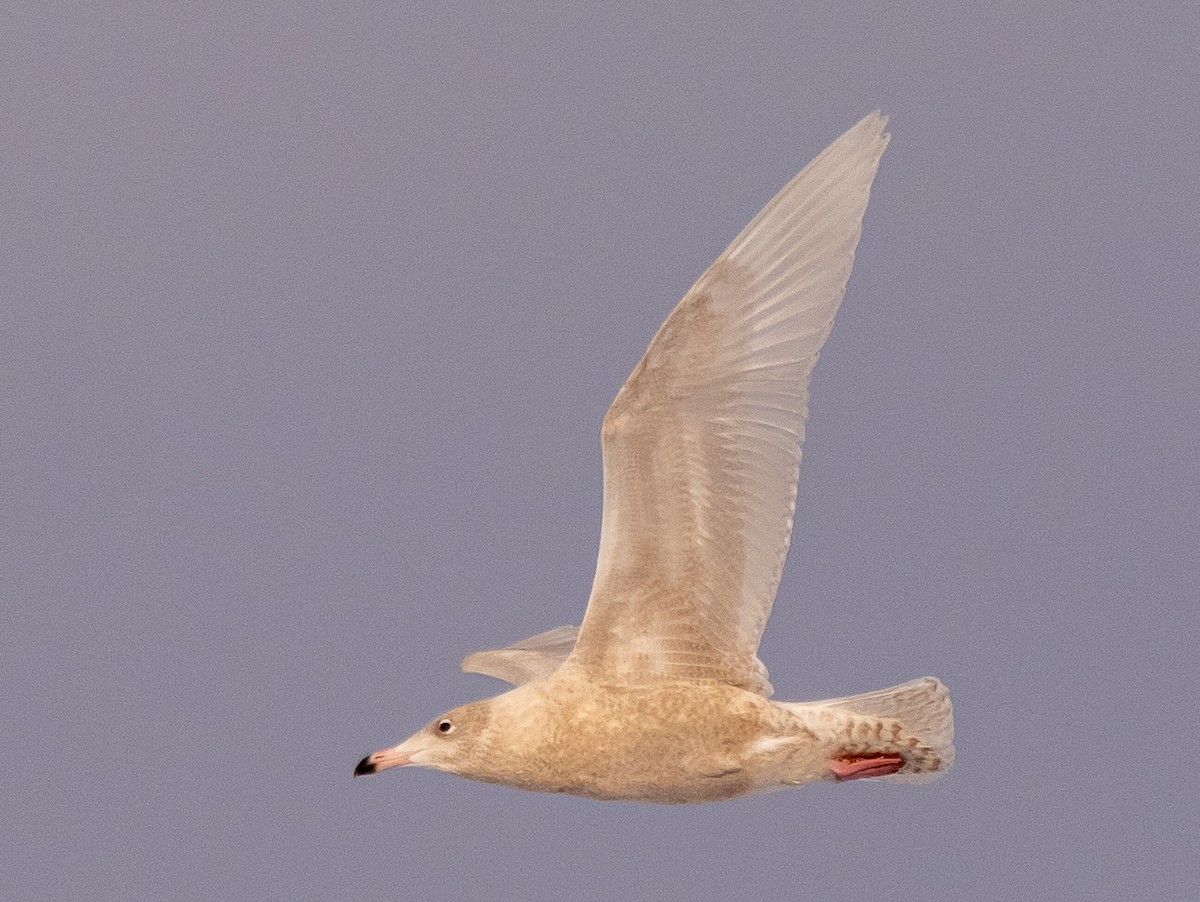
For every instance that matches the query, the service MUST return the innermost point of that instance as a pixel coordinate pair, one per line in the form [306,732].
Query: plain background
[310,315]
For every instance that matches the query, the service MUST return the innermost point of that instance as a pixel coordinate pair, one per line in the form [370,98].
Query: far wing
[702,444]
[527,660]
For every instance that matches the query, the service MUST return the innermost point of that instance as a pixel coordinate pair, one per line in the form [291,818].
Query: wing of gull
[529,659]
[702,446]
[702,443]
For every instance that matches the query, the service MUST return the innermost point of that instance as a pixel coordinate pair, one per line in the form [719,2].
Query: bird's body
[675,741]
[659,695]
[663,741]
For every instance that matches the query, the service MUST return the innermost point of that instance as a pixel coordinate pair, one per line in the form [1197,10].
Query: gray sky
[310,315]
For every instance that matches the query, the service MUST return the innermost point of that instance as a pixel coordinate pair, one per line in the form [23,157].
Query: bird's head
[453,742]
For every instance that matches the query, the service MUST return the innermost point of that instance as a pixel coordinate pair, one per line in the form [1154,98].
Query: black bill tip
[364,767]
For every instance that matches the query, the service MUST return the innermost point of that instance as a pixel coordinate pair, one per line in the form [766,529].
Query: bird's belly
[649,770]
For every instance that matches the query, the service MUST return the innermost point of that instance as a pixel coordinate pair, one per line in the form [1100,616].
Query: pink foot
[855,767]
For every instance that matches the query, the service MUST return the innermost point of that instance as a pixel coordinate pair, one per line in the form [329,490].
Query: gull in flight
[659,694]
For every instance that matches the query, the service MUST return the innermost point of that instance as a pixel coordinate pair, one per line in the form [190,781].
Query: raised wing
[529,659]
[702,444]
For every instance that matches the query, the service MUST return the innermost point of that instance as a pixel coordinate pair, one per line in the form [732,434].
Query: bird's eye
[444,726]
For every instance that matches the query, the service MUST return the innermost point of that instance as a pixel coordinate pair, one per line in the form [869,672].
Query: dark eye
[444,726]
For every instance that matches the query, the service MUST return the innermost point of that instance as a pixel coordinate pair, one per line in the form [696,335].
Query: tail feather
[915,719]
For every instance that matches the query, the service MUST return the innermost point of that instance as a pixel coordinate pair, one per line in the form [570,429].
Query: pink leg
[855,767]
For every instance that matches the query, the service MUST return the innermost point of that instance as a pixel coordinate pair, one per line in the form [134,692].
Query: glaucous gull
[659,695]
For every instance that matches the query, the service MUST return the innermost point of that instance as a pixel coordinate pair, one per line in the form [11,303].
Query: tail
[914,720]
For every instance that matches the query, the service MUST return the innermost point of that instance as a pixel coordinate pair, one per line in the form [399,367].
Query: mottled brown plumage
[659,695]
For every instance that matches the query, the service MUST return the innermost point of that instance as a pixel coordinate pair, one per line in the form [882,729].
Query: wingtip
[875,121]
